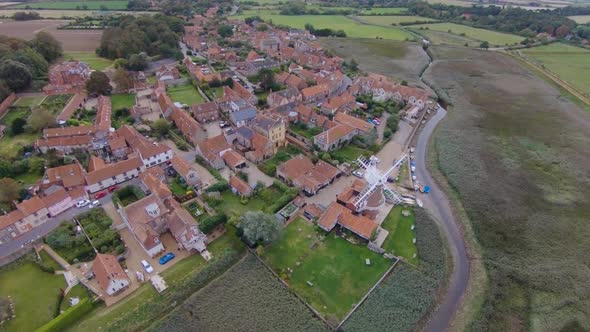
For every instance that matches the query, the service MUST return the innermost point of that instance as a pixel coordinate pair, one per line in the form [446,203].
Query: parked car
[82,203]
[146,266]
[100,195]
[166,258]
[357,173]
[94,204]
[113,188]
[376,121]
[223,124]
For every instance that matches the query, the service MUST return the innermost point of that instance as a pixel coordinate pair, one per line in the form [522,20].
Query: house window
[114,178]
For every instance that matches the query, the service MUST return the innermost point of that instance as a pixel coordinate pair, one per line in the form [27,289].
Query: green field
[388,21]
[401,236]
[92,5]
[581,19]
[336,22]
[29,101]
[94,61]
[334,267]
[384,11]
[570,63]
[122,100]
[185,94]
[492,37]
[33,292]
[60,13]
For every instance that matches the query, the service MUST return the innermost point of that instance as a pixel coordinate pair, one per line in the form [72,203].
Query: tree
[225,31]
[259,226]
[41,118]
[138,61]
[485,45]
[161,127]
[34,61]
[18,126]
[8,190]
[122,80]
[98,84]
[267,78]
[354,66]
[16,75]
[47,46]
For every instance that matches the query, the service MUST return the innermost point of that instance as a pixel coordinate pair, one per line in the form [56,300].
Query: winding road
[437,203]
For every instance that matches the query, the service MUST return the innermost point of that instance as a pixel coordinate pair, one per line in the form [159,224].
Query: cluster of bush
[326,32]
[68,317]
[207,225]
[248,297]
[289,194]
[127,195]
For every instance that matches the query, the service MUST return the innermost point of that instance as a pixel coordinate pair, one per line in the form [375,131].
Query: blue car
[166,258]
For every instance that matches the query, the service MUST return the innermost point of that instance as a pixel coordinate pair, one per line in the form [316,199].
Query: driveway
[437,203]
[212,129]
[189,156]
[255,175]
[394,148]
[329,193]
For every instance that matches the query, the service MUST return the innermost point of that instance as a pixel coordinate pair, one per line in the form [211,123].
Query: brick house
[206,112]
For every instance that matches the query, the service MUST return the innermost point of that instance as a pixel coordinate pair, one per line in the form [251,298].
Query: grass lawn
[13,114]
[123,100]
[395,10]
[217,92]
[11,145]
[570,63]
[292,247]
[94,61]
[231,204]
[492,37]
[78,291]
[401,236]
[177,189]
[581,19]
[29,101]
[393,20]
[348,153]
[185,94]
[47,260]
[308,133]
[33,292]
[335,267]
[92,5]
[336,22]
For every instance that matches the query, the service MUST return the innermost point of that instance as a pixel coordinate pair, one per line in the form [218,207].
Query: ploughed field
[517,154]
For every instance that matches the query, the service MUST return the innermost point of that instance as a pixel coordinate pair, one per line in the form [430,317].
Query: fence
[5,104]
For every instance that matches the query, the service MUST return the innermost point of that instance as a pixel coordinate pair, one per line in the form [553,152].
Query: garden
[302,129]
[400,241]
[185,94]
[269,167]
[71,243]
[35,293]
[247,297]
[330,273]
[127,195]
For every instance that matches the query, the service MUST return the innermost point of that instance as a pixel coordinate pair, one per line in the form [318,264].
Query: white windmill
[376,180]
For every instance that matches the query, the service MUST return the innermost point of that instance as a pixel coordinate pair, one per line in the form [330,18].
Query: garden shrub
[219,186]
[208,224]
[68,318]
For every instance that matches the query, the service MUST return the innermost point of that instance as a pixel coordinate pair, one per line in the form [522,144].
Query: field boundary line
[358,305]
[315,312]
[552,77]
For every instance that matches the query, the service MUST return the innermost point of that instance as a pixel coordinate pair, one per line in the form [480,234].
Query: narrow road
[437,203]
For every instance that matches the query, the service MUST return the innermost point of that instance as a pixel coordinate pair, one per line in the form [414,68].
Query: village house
[157,213]
[241,113]
[291,80]
[184,169]
[234,160]
[57,200]
[150,153]
[258,147]
[342,103]
[337,214]
[300,172]
[240,187]
[315,94]
[212,149]
[114,173]
[335,137]
[109,274]
[29,214]
[67,77]
[167,73]
[284,100]
[188,126]
[273,128]
[206,112]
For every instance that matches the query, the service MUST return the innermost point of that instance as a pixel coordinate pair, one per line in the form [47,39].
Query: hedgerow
[406,295]
[246,298]
[67,318]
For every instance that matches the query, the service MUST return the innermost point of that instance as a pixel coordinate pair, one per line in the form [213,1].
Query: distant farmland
[92,5]
[336,22]
[570,63]
[393,20]
[492,37]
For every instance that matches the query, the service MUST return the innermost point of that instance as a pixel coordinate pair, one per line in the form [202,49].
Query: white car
[82,203]
[358,174]
[146,266]
[94,204]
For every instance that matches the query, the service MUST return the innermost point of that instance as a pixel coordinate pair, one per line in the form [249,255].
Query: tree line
[23,62]
[128,37]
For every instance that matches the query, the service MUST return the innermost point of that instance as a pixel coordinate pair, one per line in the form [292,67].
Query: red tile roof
[105,268]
